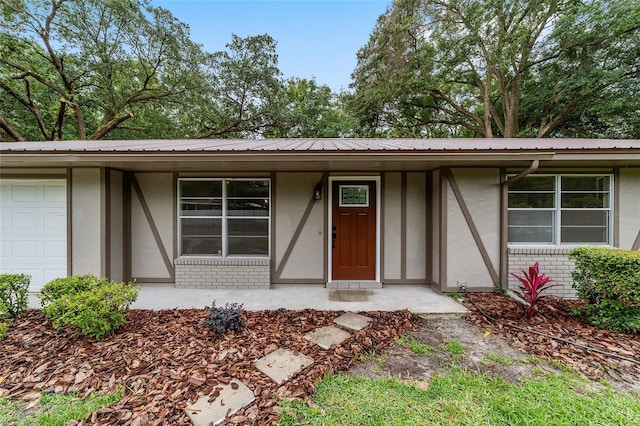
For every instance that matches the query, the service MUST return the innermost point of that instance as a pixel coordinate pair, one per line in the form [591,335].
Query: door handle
[333,240]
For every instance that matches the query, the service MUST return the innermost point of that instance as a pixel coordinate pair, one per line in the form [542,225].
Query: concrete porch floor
[417,299]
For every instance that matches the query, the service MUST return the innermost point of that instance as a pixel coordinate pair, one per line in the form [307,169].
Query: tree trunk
[11,131]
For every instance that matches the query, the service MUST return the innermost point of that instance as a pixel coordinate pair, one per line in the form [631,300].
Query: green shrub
[91,306]
[13,294]
[4,327]
[613,315]
[55,289]
[606,274]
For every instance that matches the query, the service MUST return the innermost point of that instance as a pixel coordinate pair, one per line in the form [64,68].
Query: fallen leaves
[164,360]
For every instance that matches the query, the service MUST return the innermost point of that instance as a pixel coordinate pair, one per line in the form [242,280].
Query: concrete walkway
[417,299]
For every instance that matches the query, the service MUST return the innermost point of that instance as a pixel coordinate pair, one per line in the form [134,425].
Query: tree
[309,110]
[499,68]
[80,69]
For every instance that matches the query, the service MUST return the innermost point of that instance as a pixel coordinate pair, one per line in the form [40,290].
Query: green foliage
[462,398]
[416,346]
[609,281]
[4,327]
[455,348]
[91,306]
[612,314]
[603,273]
[499,68]
[13,294]
[223,320]
[55,409]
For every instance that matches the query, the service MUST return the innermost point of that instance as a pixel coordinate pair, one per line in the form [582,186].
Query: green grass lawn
[464,398]
[53,409]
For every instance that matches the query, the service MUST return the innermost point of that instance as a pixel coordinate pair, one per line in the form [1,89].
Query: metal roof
[317,145]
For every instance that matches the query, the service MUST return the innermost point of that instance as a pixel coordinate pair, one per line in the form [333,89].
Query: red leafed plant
[532,284]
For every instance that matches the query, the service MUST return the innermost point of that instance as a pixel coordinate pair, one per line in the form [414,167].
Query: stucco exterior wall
[434,208]
[86,221]
[146,258]
[629,214]
[416,227]
[293,192]
[480,190]
[116,223]
[392,211]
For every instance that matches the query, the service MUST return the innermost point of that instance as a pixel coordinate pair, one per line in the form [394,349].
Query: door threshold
[354,285]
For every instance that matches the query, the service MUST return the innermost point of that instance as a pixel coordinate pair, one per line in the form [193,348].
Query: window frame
[224,217]
[557,210]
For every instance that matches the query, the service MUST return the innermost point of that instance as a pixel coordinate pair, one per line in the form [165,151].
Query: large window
[224,217]
[566,209]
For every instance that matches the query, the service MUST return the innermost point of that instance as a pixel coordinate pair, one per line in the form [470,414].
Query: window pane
[534,183]
[531,234]
[248,207]
[249,246]
[531,200]
[531,218]
[579,234]
[585,183]
[201,246]
[585,200]
[248,188]
[354,195]
[202,227]
[585,217]
[248,227]
[200,188]
[201,207]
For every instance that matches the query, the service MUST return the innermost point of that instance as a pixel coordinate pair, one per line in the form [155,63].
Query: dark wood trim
[154,280]
[69,222]
[428,261]
[299,281]
[616,207]
[30,176]
[298,231]
[152,224]
[403,225]
[504,229]
[636,243]
[472,227]
[174,196]
[126,226]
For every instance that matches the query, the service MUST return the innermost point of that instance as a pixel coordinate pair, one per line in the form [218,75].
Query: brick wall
[227,273]
[554,262]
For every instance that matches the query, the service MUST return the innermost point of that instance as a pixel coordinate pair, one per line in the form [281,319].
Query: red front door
[354,230]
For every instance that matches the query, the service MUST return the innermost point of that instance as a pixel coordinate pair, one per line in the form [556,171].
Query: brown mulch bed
[163,360]
[554,319]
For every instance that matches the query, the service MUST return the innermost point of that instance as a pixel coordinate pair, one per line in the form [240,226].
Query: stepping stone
[325,337]
[232,397]
[352,321]
[282,364]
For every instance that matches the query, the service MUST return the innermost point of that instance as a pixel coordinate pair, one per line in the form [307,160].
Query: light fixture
[317,191]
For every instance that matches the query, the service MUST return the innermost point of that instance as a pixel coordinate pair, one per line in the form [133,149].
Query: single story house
[337,212]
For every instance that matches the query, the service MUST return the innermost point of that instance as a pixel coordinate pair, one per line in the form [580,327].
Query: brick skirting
[553,262]
[222,273]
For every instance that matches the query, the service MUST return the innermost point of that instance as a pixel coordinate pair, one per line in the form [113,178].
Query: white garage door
[33,229]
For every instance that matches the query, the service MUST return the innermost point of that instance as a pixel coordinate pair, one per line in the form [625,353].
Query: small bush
[604,273]
[55,289]
[13,294]
[91,306]
[222,320]
[532,284]
[612,314]
[4,327]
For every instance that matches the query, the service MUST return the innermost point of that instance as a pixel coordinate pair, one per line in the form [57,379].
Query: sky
[316,38]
